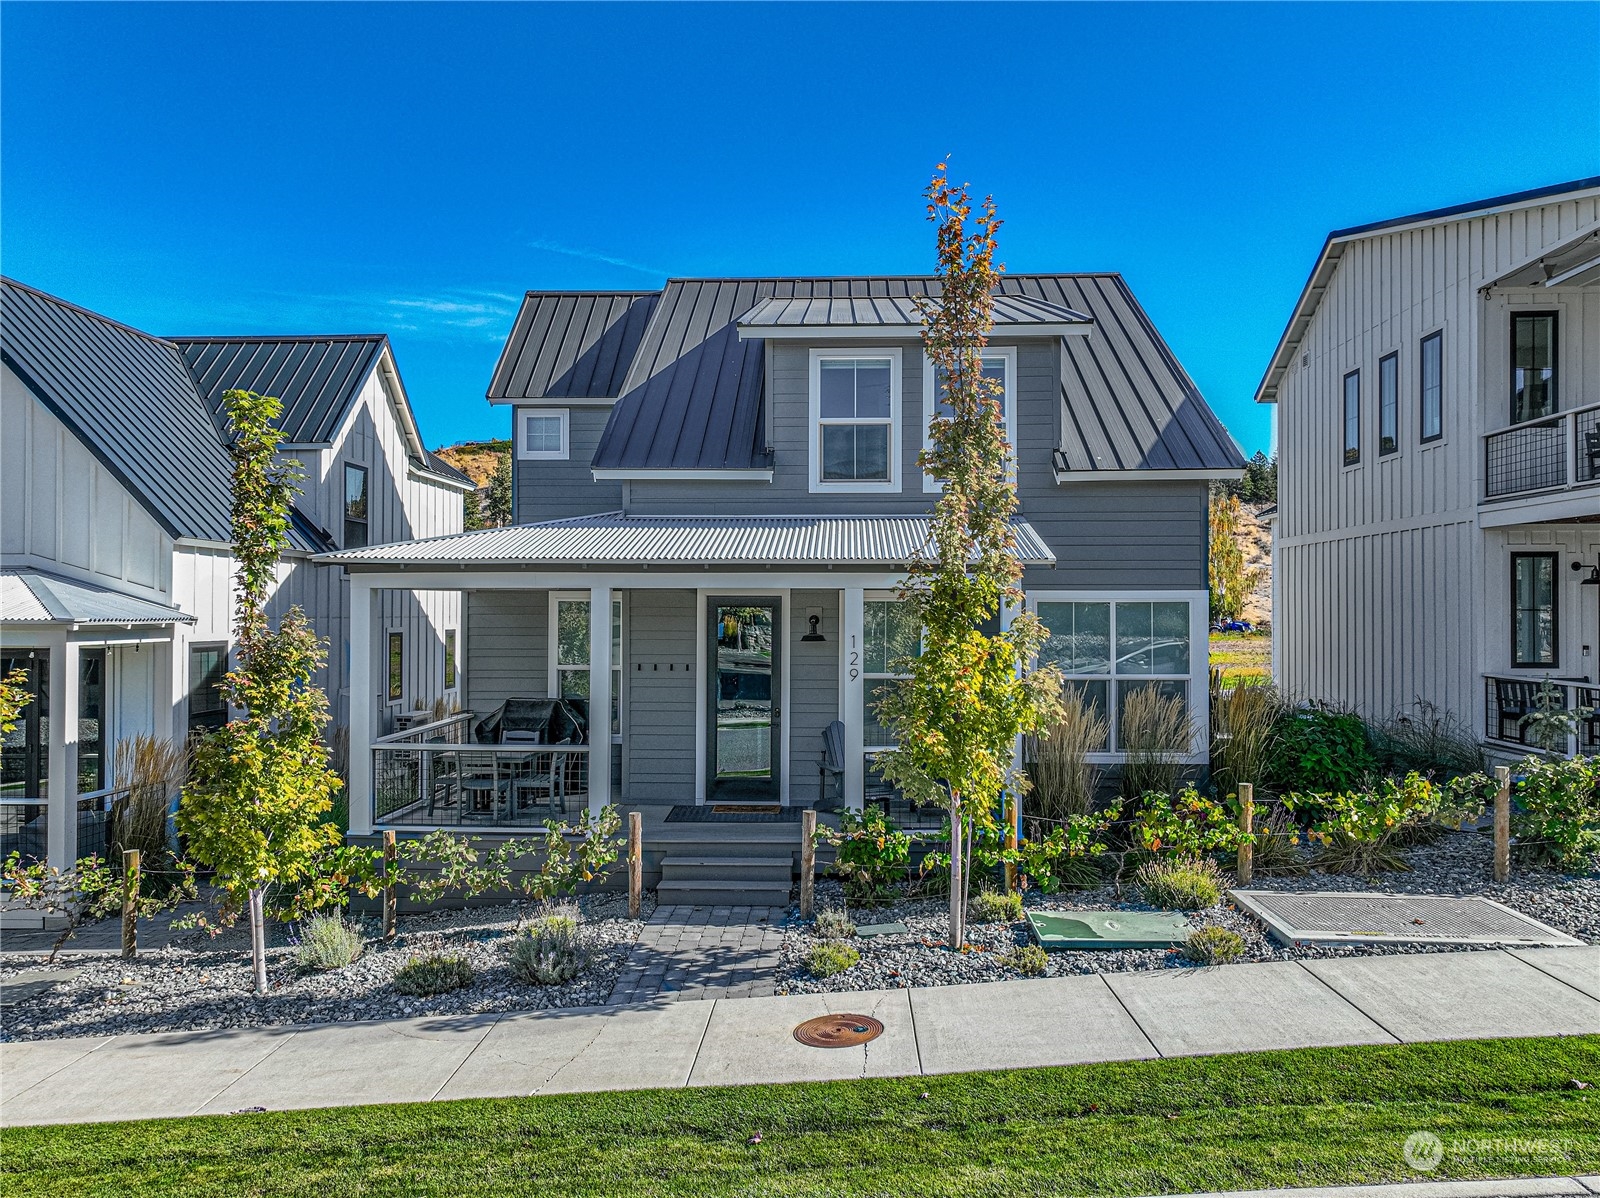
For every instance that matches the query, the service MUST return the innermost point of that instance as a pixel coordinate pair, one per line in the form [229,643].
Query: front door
[744,642]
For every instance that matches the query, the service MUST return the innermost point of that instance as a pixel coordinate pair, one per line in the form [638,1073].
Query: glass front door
[744,711]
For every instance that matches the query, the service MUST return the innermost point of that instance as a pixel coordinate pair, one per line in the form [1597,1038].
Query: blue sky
[413,168]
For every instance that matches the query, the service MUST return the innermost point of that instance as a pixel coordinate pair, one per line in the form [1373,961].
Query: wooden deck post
[390,855]
[130,904]
[1011,841]
[1247,821]
[635,862]
[1502,825]
[808,861]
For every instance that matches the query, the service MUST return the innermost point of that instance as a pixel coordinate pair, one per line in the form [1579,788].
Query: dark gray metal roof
[692,399]
[572,344]
[1010,312]
[34,597]
[616,539]
[437,465]
[317,378]
[129,399]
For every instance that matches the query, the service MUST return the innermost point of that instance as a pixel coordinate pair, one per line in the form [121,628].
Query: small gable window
[355,506]
[542,434]
[855,420]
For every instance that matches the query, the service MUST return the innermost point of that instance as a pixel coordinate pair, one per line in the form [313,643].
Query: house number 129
[855,660]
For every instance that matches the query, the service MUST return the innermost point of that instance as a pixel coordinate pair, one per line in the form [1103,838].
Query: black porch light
[814,634]
[1594,574]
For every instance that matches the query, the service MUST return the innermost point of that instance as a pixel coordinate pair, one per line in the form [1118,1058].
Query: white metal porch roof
[33,597]
[615,539]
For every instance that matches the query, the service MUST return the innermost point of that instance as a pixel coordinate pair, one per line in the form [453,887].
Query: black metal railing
[1543,455]
[25,825]
[1509,702]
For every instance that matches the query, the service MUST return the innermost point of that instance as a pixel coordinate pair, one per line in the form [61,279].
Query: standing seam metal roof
[894,312]
[571,344]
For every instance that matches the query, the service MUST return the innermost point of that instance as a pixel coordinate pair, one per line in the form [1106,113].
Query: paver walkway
[939,1029]
[703,952]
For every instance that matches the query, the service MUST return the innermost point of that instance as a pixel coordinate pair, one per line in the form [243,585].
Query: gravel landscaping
[198,983]
[1456,864]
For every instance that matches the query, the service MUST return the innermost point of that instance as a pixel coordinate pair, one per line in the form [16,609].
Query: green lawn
[1242,655]
[1260,1119]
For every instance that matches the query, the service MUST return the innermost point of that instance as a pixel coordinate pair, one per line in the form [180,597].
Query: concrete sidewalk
[945,1029]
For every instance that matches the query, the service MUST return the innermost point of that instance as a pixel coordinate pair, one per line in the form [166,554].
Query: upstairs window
[855,418]
[1388,404]
[1352,418]
[542,433]
[998,364]
[1533,609]
[208,710]
[1432,386]
[355,506]
[1533,366]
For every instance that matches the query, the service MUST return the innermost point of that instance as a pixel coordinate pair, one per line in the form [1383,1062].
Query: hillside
[476,459]
[1255,539]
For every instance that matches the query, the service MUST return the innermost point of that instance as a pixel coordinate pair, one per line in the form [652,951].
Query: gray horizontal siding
[507,647]
[662,655]
[555,490]
[813,689]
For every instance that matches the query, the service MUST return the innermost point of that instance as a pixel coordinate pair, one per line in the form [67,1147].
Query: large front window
[855,407]
[1108,650]
[999,365]
[891,635]
[1534,626]
[1533,366]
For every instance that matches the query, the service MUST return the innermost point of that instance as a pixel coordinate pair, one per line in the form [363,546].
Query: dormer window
[999,364]
[855,420]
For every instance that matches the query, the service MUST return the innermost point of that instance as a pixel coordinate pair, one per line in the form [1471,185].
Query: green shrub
[1276,852]
[1362,832]
[1189,823]
[830,958]
[1213,945]
[992,906]
[1316,749]
[1427,741]
[1555,819]
[547,952]
[874,855]
[329,942]
[834,924]
[1027,959]
[1181,883]
[424,977]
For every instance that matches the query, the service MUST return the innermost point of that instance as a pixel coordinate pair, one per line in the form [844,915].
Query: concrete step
[700,893]
[772,870]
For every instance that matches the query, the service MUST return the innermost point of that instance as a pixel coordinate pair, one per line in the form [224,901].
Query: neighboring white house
[115,569]
[1438,425]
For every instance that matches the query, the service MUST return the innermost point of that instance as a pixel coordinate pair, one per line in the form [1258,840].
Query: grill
[1362,918]
[838,1031]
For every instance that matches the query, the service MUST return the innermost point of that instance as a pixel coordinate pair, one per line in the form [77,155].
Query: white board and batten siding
[1385,582]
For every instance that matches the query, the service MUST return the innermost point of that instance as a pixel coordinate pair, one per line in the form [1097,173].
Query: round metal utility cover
[838,1031]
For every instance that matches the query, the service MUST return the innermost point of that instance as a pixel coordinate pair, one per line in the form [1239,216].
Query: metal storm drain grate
[838,1031]
[1345,917]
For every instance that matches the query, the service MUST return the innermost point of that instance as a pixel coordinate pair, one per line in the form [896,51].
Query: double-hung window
[1109,650]
[891,635]
[542,434]
[1388,404]
[569,659]
[1000,365]
[855,420]
[355,506]
[1431,388]
[1533,366]
[1352,418]
[1534,618]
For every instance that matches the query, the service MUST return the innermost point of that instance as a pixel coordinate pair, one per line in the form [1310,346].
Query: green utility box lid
[1108,929]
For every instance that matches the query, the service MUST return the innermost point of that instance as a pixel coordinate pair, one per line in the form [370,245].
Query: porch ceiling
[615,539]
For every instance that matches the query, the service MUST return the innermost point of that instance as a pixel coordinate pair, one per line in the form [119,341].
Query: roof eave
[1152,475]
[879,332]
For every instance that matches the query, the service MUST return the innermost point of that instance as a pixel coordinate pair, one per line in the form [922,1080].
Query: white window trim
[870,681]
[619,675]
[1199,675]
[529,455]
[932,486]
[552,656]
[814,409]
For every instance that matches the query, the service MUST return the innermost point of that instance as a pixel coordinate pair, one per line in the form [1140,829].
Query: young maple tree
[966,699]
[254,811]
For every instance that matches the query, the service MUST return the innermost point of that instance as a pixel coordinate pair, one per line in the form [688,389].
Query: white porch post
[599,698]
[61,819]
[852,696]
[362,705]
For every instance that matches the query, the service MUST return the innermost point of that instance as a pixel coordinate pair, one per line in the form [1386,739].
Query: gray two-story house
[716,494]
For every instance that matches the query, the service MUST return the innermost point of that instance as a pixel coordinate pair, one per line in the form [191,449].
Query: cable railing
[1508,702]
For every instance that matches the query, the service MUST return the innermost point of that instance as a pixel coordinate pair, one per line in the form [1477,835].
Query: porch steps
[735,878]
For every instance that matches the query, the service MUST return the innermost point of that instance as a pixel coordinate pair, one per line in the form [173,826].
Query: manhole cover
[838,1031]
[1358,917]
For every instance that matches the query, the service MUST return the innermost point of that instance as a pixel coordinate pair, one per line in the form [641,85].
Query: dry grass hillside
[476,459]
[1255,539]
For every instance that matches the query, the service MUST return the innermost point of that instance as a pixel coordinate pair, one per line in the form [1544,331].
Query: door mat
[1107,929]
[1361,917]
[690,813]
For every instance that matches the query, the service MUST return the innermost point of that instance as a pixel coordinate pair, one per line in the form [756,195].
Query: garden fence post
[1502,825]
[389,856]
[1247,819]
[1011,841]
[808,860]
[130,904]
[635,862]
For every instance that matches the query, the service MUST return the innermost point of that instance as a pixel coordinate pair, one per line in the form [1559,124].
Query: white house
[115,570]
[1438,424]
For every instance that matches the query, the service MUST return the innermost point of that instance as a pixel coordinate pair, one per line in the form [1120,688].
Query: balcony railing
[435,776]
[1552,454]
[1509,702]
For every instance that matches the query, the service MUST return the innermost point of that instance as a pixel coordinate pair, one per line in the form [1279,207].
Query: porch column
[599,698]
[61,819]
[852,699]
[362,705]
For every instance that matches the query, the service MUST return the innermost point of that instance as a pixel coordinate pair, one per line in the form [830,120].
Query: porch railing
[435,776]
[1551,454]
[25,824]
[1509,701]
